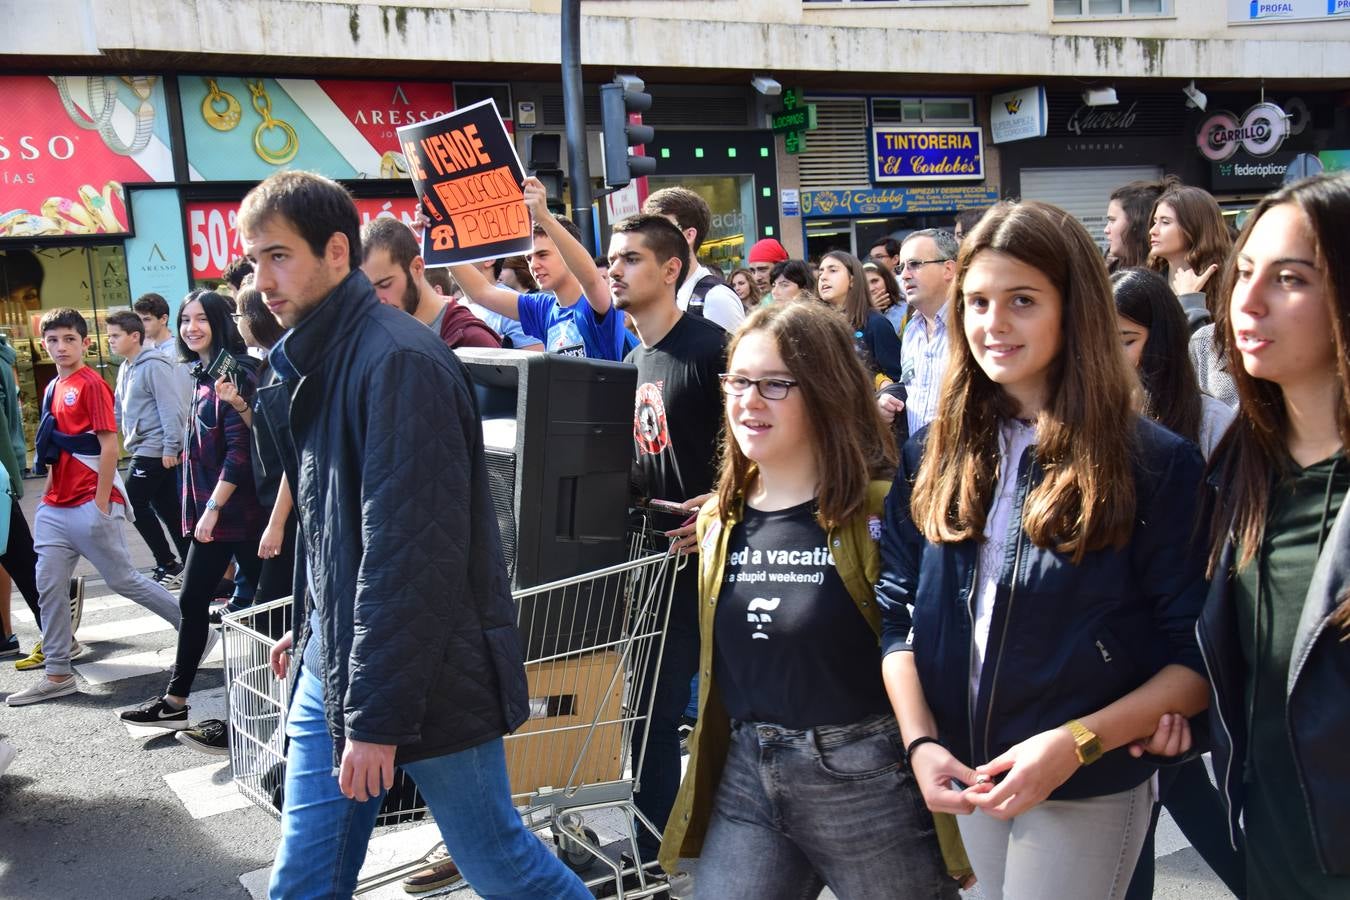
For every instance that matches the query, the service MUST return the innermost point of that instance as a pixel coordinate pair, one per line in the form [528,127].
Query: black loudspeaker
[558,436]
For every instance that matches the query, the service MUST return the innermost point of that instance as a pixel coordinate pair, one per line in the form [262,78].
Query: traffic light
[617,102]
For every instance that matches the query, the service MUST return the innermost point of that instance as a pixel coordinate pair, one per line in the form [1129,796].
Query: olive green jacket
[854,547]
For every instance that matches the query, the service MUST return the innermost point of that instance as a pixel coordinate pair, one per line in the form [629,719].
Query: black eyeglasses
[769,388]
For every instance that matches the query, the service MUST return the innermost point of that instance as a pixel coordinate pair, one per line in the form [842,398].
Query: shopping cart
[593,642]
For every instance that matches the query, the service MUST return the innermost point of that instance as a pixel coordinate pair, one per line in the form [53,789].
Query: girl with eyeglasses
[796,780]
[1276,626]
[221,511]
[1040,581]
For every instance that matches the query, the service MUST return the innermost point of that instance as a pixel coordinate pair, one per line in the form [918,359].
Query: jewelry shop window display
[92,279]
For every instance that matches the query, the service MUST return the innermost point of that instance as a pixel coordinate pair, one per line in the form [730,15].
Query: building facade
[134,128]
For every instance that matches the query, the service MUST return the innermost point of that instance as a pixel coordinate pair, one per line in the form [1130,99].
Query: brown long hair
[1254,448]
[1086,499]
[1136,200]
[851,443]
[857,303]
[1207,240]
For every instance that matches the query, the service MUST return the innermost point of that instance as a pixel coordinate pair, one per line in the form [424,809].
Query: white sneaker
[7,753]
[44,689]
[212,638]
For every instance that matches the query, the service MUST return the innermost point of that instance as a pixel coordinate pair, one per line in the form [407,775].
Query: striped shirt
[923,363]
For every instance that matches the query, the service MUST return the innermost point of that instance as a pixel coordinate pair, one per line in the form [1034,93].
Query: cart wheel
[575,856]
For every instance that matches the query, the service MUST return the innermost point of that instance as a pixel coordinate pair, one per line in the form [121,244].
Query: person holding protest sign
[572,311]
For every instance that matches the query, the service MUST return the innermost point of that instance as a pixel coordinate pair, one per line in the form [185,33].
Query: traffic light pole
[574,111]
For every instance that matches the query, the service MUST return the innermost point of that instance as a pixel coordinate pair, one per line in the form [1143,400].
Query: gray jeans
[834,805]
[61,535]
[1074,849]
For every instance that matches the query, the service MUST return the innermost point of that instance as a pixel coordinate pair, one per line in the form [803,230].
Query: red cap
[767,251]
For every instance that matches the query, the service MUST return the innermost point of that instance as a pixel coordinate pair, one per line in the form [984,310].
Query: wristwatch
[212,505]
[1086,744]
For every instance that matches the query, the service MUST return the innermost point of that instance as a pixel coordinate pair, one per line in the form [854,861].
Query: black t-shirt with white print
[677,416]
[791,647]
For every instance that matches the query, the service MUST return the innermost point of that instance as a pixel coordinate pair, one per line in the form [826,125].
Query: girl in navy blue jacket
[1043,535]
[1276,627]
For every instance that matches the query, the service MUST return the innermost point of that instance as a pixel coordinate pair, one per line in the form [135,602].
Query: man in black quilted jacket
[404,621]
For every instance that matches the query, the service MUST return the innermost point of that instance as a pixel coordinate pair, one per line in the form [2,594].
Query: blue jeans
[834,805]
[324,834]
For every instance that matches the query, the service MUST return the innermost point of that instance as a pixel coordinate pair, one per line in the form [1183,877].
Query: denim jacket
[1065,640]
[854,548]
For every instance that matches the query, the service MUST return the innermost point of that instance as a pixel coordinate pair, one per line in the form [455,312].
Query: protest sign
[468,178]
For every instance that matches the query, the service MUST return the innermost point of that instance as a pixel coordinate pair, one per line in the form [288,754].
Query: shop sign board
[796,118]
[895,201]
[71,145]
[469,178]
[1247,173]
[927,154]
[1019,115]
[791,199]
[1260,132]
[1252,12]
[244,129]
[155,257]
[213,229]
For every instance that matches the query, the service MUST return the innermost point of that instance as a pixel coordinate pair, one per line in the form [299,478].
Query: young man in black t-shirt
[677,418]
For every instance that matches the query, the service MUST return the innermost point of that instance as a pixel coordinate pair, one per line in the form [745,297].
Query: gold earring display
[263,105]
[393,165]
[220,119]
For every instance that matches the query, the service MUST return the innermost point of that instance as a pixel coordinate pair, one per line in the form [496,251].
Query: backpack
[701,288]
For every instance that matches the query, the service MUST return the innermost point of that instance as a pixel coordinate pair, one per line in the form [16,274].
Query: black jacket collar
[313,339]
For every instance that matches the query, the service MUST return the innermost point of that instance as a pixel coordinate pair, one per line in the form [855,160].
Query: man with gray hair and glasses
[926,269]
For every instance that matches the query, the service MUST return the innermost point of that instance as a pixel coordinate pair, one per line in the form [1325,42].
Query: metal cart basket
[592,641]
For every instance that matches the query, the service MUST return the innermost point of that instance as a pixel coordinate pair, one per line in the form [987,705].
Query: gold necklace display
[102,92]
[262,104]
[225,119]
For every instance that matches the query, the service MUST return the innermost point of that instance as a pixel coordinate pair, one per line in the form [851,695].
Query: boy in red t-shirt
[83,508]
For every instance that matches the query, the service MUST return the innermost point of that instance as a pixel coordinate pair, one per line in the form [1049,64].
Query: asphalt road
[94,809]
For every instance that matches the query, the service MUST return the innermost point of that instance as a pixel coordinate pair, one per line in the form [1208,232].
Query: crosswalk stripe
[132,665]
[207,790]
[122,628]
[21,613]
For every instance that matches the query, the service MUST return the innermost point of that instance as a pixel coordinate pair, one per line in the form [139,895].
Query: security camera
[1100,96]
[767,86]
[1195,98]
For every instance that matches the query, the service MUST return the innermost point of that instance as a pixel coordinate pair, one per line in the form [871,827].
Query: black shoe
[157,713]
[210,736]
[169,577]
[216,614]
[76,602]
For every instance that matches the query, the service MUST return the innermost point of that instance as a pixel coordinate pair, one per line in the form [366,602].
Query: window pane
[913,111]
[1146,7]
[947,111]
[1104,7]
[886,112]
[1068,7]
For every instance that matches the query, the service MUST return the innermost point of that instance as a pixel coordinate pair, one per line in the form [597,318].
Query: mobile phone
[668,506]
